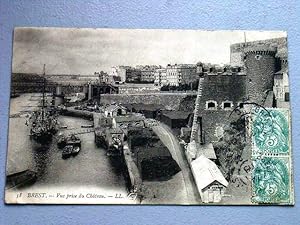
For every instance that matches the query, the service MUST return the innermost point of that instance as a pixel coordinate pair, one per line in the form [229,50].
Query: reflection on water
[41,157]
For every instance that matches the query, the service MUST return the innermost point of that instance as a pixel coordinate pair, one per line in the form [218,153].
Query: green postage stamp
[271,156]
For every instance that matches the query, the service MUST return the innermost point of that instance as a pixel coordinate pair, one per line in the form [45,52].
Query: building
[210,181]
[133,75]
[115,110]
[281,85]
[225,88]
[147,74]
[134,88]
[102,77]
[266,68]
[152,157]
[195,150]
[237,50]
[148,110]
[25,82]
[281,88]
[175,119]
[260,63]
[127,74]
[181,74]
[132,120]
[119,71]
[160,77]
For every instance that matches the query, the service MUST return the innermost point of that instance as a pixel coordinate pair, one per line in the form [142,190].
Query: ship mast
[44,87]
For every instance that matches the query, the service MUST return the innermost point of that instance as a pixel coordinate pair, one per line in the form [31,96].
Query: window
[227,105]
[241,105]
[286,96]
[119,112]
[211,105]
[258,57]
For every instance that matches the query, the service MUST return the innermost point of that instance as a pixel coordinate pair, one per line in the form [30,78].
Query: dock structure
[131,171]
[134,176]
[96,119]
[70,111]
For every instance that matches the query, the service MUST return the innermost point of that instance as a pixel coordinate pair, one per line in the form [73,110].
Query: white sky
[84,51]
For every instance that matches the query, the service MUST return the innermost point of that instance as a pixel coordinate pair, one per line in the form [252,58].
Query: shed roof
[207,150]
[206,172]
[176,114]
[196,149]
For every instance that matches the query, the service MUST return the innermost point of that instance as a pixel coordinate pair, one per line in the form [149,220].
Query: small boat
[62,141]
[68,140]
[67,151]
[73,140]
[20,179]
[87,126]
[75,150]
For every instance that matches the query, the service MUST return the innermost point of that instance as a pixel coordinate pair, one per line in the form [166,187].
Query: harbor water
[91,167]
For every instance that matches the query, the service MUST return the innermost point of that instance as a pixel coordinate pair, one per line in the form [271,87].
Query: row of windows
[227,105]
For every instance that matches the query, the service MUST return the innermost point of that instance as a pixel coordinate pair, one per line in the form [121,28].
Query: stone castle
[258,74]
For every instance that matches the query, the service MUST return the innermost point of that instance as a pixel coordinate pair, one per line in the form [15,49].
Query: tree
[230,147]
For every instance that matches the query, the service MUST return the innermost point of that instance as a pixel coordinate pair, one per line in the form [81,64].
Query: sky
[85,51]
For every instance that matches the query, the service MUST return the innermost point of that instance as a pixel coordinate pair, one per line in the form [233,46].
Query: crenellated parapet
[260,50]
[224,70]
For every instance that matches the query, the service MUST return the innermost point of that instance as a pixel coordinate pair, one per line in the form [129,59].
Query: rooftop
[176,114]
[206,172]
[111,108]
[148,107]
[196,150]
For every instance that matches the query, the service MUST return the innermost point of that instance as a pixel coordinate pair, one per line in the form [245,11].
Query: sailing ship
[43,122]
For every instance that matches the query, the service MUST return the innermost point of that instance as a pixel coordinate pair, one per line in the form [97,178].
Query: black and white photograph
[149,116]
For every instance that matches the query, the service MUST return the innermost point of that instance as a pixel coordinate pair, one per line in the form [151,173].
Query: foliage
[230,147]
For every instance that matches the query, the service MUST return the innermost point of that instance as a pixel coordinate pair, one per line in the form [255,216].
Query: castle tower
[260,63]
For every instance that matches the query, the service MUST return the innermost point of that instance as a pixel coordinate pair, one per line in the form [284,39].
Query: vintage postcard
[140,116]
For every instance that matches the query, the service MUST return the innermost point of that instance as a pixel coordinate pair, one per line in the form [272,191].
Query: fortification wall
[215,121]
[170,101]
[222,88]
[236,50]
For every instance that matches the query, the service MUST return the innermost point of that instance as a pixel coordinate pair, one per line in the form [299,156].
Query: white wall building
[281,88]
[210,181]
[160,77]
[181,74]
